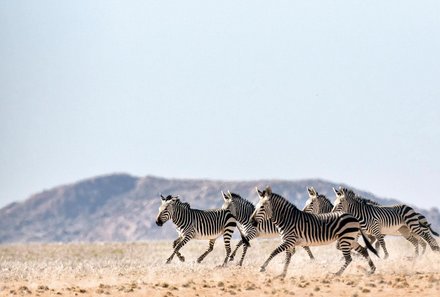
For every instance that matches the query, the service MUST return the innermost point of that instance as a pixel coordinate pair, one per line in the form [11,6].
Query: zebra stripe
[197,224]
[242,209]
[414,239]
[381,220]
[317,203]
[298,228]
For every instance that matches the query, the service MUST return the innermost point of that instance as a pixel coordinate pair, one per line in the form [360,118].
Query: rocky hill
[121,207]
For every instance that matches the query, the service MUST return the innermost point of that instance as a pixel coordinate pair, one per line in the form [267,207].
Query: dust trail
[138,269]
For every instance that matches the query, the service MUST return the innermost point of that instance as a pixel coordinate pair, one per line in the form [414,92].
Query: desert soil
[139,269]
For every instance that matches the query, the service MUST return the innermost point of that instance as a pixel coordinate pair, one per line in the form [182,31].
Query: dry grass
[138,269]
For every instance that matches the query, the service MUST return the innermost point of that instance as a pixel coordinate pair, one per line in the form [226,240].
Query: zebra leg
[431,241]
[309,252]
[245,247]
[345,247]
[372,240]
[426,235]
[240,243]
[227,240]
[408,236]
[381,241]
[240,263]
[178,254]
[422,244]
[210,248]
[281,248]
[289,254]
[363,251]
[179,245]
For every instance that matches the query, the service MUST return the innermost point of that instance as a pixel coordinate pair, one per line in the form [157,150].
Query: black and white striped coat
[317,203]
[242,209]
[197,224]
[381,220]
[298,228]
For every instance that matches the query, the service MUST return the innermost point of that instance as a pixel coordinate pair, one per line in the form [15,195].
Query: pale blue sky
[347,91]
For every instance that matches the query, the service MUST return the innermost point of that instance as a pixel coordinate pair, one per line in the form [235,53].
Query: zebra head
[341,199]
[166,209]
[228,203]
[263,209]
[312,197]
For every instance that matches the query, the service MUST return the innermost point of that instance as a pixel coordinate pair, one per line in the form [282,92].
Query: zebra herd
[319,223]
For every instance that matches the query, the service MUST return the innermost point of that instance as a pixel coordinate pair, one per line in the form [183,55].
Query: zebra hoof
[182,259]
[262,269]
[231,258]
[281,276]
[168,261]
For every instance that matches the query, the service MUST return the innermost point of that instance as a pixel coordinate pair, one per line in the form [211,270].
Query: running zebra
[197,224]
[298,228]
[382,220]
[317,203]
[414,239]
[242,210]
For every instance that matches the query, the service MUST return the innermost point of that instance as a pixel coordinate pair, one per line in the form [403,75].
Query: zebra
[413,238]
[197,224]
[320,204]
[381,220]
[242,209]
[298,228]
[317,203]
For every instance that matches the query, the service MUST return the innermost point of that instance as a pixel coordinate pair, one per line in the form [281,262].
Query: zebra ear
[225,197]
[268,191]
[260,194]
[162,197]
[336,191]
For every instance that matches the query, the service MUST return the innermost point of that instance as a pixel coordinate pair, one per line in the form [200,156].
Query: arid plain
[138,269]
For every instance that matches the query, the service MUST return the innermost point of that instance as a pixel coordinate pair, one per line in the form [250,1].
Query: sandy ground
[138,269]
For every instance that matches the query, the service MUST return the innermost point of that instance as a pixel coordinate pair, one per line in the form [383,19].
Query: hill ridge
[123,207]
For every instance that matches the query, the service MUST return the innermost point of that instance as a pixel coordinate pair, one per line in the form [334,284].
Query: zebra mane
[351,194]
[366,201]
[183,204]
[237,198]
[323,197]
[282,200]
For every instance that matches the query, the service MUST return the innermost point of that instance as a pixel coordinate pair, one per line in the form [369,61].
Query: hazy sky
[347,91]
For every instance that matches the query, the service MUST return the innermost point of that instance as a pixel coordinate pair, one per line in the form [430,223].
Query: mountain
[120,207]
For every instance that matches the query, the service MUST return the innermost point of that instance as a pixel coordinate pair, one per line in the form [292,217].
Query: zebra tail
[426,225]
[432,231]
[368,244]
[244,238]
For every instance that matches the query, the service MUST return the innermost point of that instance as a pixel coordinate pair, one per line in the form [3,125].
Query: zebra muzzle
[159,223]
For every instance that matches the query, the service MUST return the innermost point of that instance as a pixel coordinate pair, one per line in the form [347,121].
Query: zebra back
[311,228]
[203,222]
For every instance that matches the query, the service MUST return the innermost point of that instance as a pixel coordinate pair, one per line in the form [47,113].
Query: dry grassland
[138,269]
